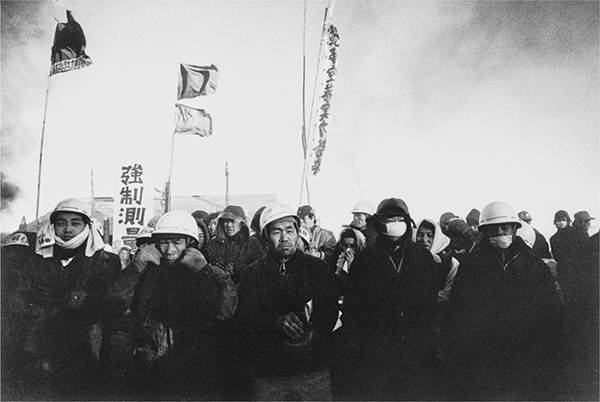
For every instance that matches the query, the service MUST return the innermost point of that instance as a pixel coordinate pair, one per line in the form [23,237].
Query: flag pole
[168,195]
[304,139]
[327,19]
[226,184]
[39,183]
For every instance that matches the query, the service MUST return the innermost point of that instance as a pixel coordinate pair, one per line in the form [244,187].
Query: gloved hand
[145,256]
[193,259]
[290,325]
[45,294]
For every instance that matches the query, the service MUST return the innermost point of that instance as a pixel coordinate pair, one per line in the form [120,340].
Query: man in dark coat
[288,308]
[232,247]
[390,301]
[503,313]
[176,305]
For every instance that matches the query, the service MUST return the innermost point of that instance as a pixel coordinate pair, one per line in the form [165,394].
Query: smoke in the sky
[23,23]
[8,192]
[445,50]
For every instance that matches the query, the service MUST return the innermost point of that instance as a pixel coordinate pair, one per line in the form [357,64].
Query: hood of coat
[221,235]
[360,239]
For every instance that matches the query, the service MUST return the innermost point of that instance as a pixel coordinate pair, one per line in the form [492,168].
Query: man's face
[425,237]
[499,229]
[308,222]
[171,248]
[232,227]
[283,237]
[68,225]
[212,226]
[359,220]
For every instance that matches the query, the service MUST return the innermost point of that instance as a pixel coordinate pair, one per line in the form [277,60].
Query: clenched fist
[193,259]
[145,256]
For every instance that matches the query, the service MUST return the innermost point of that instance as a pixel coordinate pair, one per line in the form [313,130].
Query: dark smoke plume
[8,192]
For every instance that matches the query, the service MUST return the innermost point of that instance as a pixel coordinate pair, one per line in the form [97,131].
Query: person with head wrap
[429,235]
[66,311]
[351,242]
[504,312]
[390,301]
[232,247]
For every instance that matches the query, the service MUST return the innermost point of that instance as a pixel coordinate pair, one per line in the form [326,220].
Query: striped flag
[68,51]
[197,81]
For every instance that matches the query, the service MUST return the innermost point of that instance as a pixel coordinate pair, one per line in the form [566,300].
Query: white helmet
[276,211]
[145,233]
[498,212]
[305,234]
[526,233]
[72,205]
[363,207]
[177,222]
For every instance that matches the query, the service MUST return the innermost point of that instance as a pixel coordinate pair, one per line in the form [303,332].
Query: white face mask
[502,242]
[561,224]
[395,229]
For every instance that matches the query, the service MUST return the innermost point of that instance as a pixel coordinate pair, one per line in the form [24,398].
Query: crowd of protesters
[222,307]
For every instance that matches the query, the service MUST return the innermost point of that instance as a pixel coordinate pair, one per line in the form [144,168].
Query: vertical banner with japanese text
[133,206]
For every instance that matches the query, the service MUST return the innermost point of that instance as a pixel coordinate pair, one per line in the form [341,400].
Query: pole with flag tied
[68,53]
[194,81]
[313,145]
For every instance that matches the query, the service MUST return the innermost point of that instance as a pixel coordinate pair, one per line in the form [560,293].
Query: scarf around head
[46,239]
[440,240]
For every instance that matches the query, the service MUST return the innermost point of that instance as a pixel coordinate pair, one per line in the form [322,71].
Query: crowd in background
[222,306]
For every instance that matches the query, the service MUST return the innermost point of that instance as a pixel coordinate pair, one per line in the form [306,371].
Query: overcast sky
[447,105]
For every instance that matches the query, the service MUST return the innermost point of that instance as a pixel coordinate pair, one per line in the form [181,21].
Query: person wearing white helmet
[361,212]
[288,307]
[504,310]
[64,306]
[178,305]
[390,300]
